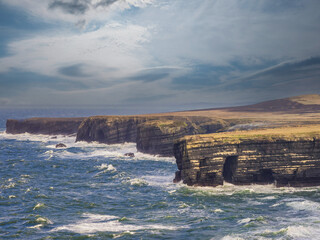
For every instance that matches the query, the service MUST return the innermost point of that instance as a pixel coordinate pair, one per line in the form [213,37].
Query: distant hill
[299,104]
[304,108]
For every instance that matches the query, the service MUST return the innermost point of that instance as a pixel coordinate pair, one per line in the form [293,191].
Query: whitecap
[303,232]
[245,220]
[306,205]
[138,182]
[43,220]
[230,237]
[108,167]
[160,181]
[38,226]
[92,223]
[230,189]
[38,137]
[218,210]
[38,205]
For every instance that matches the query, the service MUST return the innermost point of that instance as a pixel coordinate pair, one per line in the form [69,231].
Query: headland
[206,152]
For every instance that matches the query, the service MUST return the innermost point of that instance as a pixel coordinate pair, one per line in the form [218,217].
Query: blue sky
[157,55]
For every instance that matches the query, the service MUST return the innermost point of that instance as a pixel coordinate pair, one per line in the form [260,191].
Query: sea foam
[92,223]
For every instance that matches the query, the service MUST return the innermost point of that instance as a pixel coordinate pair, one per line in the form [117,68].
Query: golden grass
[274,134]
[282,118]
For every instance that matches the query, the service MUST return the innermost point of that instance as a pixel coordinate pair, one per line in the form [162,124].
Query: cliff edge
[286,156]
[50,126]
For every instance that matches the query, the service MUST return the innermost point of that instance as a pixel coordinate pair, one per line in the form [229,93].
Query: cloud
[188,52]
[105,3]
[283,74]
[201,76]
[148,98]
[76,70]
[108,53]
[156,73]
[17,81]
[72,7]
[78,12]
[79,7]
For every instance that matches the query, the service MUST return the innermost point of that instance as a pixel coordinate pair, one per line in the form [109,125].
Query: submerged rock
[60,145]
[129,154]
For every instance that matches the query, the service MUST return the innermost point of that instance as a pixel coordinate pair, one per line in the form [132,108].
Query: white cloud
[107,53]
[220,31]
[94,10]
[116,44]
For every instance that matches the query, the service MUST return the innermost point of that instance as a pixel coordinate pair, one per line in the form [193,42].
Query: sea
[93,191]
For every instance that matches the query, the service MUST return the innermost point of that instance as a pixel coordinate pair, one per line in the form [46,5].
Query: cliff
[287,156]
[153,134]
[51,126]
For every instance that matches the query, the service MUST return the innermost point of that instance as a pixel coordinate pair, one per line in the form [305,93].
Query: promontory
[275,141]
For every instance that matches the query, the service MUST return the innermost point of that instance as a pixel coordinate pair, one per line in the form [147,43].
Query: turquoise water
[92,191]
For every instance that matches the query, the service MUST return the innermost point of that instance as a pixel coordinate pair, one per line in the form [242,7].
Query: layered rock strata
[290,158]
[153,135]
[50,126]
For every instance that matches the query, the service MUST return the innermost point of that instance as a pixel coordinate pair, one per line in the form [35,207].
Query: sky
[157,55]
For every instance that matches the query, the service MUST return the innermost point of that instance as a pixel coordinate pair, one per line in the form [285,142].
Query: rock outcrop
[286,156]
[50,126]
[61,145]
[153,135]
[109,129]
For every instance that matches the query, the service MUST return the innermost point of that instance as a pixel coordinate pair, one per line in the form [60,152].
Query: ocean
[93,191]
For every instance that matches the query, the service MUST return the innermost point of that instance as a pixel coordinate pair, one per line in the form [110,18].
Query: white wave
[93,223]
[245,220]
[137,182]
[107,167]
[38,137]
[218,210]
[38,226]
[306,205]
[230,189]
[95,149]
[9,183]
[160,181]
[230,237]
[38,206]
[303,232]
[43,220]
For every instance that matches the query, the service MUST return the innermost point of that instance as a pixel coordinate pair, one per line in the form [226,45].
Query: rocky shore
[204,155]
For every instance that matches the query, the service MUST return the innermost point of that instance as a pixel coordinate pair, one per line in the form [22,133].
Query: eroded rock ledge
[50,126]
[286,156]
[153,135]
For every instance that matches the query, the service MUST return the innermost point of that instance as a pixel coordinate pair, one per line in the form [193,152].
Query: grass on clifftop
[274,134]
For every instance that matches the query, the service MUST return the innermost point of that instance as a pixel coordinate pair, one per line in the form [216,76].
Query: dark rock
[177,177]
[60,145]
[153,135]
[129,154]
[205,160]
[50,126]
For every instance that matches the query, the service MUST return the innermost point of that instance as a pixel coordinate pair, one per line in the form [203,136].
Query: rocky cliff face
[51,126]
[211,160]
[109,129]
[153,135]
